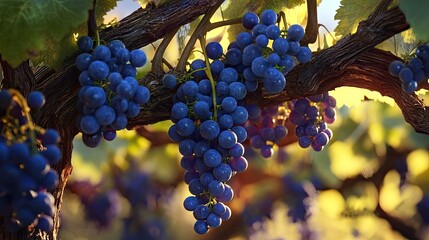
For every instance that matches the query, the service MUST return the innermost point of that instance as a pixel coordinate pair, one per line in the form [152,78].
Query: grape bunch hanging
[27,153]
[110,93]
[415,71]
[311,115]
[209,110]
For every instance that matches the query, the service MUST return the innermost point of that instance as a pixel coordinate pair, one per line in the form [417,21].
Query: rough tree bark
[353,61]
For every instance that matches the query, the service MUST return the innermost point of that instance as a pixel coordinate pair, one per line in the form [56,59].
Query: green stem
[26,109]
[210,76]
[97,37]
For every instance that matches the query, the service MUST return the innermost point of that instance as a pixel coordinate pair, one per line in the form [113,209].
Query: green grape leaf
[56,52]
[401,45]
[102,7]
[350,13]
[416,15]
[27,24]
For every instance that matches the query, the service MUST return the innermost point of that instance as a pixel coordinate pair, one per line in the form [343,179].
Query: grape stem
[23,103]
[200,30]
[209,75]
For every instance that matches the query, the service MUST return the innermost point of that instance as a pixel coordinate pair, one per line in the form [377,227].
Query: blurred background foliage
[373,172]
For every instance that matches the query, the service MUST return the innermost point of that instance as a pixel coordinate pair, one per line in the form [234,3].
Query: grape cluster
[311,115]
[253,57]
[209,110]
[263,129]
[208,116]
[210,138]
[110,93]
[413,72]
[26,155]
[298,206]
[101,206]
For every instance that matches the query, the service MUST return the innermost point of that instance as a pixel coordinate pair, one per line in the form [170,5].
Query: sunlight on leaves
[350,13]
[418,162]
[344,162]
[331,203]
[399,201]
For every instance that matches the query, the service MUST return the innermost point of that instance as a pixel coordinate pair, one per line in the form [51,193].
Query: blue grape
[214,50]
[138,58]
[304,55]
[268,17]
[83,61]
[35,100]
[274,81]
[295,32]
[169,81]
[85,43]
[250,19]
[98,70]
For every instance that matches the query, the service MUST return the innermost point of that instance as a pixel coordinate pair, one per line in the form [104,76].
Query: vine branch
[312,27]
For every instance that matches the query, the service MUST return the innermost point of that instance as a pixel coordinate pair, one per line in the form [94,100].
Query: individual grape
[222,172]
[251,52]
[250,19]
[406,75]
[233,56]
[5,99]
[185,127]
[197,67]
[101,53]
[89,124]
[261,41]
[201,227]
[228,75]
[169,81]
[35,100]
[114,46]
[237,90]
[83,61]
[122,56]
[259,66]
[268,17]
[217,66]
[212,158]
[243,39]
[85,43]
[274,81]
[280,46]
[272,32]
[138,58]
[209,129]
[294,48]
[214,50]
[98,70]
[105,115]
[304,55]
[190,203]
[295,32]
[227,139]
